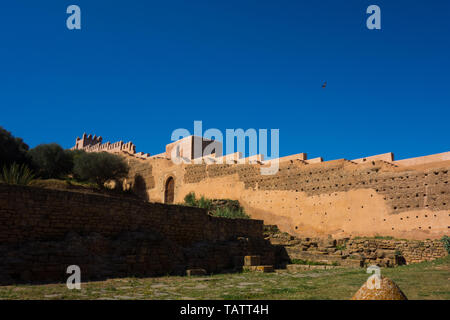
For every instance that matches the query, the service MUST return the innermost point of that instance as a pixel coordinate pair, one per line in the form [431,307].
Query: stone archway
[169,190]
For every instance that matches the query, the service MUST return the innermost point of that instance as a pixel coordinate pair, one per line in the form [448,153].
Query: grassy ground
[428,280]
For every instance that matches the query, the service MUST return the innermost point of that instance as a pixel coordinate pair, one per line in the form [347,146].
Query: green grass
[427,280]
[313,263]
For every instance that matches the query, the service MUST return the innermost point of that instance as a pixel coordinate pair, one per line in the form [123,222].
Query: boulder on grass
[388,290]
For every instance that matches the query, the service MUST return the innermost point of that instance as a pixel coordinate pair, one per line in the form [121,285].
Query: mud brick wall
[403,191]
[339,197]
[43,231]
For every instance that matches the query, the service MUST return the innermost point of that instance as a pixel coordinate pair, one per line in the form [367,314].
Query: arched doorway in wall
[169,190]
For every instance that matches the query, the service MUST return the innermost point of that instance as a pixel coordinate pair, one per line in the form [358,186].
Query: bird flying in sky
[324,85]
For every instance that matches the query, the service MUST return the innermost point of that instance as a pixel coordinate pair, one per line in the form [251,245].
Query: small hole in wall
[296,227]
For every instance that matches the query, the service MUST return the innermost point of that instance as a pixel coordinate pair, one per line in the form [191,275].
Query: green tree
[51,160]
[12,149]
[99,167]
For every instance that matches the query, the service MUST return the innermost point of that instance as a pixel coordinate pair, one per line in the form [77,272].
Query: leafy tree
[51,160]
[99,167]
[12,149]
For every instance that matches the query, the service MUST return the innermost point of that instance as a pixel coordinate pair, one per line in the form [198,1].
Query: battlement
[91,143]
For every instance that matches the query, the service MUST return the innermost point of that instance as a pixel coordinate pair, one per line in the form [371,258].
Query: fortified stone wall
[43,231]
[369,196]
[339,197]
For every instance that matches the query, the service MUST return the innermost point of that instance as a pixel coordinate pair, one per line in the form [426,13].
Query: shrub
[226,212]
[190,200]
[228,209]
[446,241]
[204,203]
[16,174]
[51,161]
[12,149]
[99,167]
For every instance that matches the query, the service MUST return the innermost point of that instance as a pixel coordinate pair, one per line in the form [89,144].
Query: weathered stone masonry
[43,231]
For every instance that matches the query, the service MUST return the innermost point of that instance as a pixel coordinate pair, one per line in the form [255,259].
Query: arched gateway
[169,191]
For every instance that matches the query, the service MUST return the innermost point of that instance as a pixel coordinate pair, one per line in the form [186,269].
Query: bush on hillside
[16,174]
[218,207]
[99,167]
[226,212]
[12,149]
[51,161]
[446,240]
[192,201]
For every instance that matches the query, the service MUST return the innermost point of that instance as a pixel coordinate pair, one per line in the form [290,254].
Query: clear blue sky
[140,69]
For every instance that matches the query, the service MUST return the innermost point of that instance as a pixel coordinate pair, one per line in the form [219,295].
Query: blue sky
[137,70]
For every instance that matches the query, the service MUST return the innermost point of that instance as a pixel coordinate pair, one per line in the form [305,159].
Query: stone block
[264,269]
[252,260]
[195,272]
